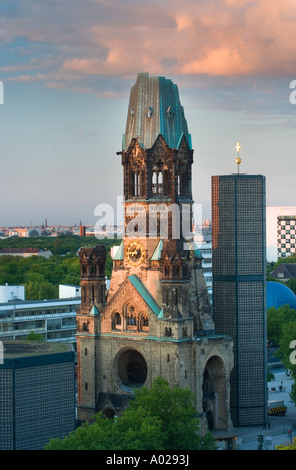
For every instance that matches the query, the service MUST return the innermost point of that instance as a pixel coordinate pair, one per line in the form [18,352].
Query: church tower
[156,318]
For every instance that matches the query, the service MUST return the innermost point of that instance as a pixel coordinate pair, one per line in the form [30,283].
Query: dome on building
[278,295]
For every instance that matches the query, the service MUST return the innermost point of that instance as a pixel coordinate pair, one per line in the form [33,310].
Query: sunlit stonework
[156,318]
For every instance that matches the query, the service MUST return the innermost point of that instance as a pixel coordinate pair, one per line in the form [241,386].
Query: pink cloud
[216,37]
[85,66]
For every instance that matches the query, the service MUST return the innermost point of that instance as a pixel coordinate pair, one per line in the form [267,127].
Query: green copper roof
[145,294]
[157,252]
[93,310]
[155,108]
[119,255]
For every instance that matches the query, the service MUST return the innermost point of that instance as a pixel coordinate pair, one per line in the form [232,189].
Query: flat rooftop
[42,303]
[17,348]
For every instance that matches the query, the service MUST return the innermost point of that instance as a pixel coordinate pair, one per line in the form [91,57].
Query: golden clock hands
[135,251]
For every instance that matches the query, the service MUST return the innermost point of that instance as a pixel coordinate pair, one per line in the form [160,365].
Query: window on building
[131,320]
[157,183]
[117,318]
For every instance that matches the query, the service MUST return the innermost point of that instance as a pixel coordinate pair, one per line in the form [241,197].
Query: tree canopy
[160,418]
[281,332]
[41,276]
[276,319]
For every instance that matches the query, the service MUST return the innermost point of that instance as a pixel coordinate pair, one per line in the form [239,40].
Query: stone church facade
[156,317]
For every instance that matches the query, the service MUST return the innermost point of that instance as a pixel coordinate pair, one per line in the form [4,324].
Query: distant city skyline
[67,70]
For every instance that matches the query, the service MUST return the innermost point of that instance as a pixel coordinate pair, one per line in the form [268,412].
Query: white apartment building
[205,249]
[286,235]
[272,214]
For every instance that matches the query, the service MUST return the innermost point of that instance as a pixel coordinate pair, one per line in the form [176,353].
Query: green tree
[47,291]
[291,283]
[160,418]
[32,290]
[270,375]
[175,409]
[32,336]
[62,267]
[58,246]
[137,430]
[276,319]
[33,276]
[95,436]
[285,353]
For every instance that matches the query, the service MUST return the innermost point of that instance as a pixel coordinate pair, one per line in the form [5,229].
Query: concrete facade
[239,288]
[37,394]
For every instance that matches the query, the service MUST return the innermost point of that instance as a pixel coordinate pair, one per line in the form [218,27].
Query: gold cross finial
[238,159]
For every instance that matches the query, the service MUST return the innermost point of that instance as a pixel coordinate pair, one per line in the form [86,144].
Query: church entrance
[131,368]
[214,394]
[109,413]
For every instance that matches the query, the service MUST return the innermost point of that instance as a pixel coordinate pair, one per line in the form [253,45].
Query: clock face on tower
[135,253]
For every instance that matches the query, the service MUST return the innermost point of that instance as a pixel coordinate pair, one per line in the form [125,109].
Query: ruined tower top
[155,108]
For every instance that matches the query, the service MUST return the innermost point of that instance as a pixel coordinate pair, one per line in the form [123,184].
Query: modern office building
[54,319]
[239,288]
[286,232]
[205,249]
[37,394]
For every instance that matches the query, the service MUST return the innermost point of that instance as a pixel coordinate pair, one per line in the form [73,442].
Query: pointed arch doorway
[215,394]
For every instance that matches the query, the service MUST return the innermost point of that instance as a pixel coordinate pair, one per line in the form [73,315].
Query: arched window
[131,320]
[157,183]
[116,321]
[178,184]
[93,269]
[167,297]
[144,322]
[175,295]
[130,316]
[160,178]
[154,183]
[93,293]
[176,272]
[137,183]
[117,318]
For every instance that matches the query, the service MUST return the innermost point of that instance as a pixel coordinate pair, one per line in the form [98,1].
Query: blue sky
[67,69]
